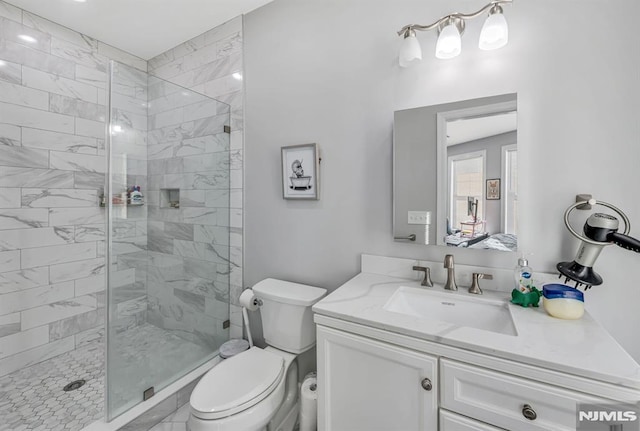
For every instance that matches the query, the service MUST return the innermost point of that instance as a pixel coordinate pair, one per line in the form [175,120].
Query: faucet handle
[427,275]
[475,285]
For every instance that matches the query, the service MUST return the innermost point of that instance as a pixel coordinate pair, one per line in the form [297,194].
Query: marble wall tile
[76,216]
[121,56]
[192,198]
[200,269]
[85,180]
[77,162]
[9,324]
[23,279]
[89,128]
[35,355]
[10,198]
[23,157]
[91,76]
[61,32]
[210,180]
[10,135]
[167,118]
[57,311]
[61,198]
[34,297]
[11,72]
[75,270]
[202,216]
[48,140]
[28,117]
[42,237]
[190,300]
[11,12]
[76,324]
[24,340]
[23,218]
[12,30]
[29,57]
[211,234]
[77,108]
[55,84]
[41,256]
[89,285]
[19,95]
[30,177]
[9,260]
[181,231]
[77,54]
[207,162]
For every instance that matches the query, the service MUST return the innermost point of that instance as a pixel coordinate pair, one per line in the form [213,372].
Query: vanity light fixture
[494,34]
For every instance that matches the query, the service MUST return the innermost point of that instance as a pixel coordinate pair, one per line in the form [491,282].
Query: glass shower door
[168,252]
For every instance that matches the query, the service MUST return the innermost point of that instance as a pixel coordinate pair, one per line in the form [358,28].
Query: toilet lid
[237,383]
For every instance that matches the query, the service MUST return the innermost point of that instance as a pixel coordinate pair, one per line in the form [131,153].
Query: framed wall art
[493,189]
[300,168]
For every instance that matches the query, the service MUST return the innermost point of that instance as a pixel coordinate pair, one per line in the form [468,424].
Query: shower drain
[74,385]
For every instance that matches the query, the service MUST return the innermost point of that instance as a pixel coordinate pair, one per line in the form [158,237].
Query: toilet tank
[287,320]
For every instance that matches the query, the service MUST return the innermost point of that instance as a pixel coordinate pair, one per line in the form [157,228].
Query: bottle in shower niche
[523,275]
[136,196]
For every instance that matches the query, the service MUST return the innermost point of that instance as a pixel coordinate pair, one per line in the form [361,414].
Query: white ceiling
[144,28]
[470,129]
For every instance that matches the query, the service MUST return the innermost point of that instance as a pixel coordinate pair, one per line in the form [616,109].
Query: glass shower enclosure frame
[167,234]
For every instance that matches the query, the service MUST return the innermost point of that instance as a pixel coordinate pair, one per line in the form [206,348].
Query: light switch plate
[419,217]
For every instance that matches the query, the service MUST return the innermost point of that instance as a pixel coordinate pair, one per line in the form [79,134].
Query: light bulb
[495,32]
[410,51]
[449,43]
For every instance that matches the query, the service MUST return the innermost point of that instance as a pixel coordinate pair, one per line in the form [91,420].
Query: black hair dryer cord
[624,241]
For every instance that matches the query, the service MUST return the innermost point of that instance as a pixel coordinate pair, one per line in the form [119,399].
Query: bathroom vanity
[393,355]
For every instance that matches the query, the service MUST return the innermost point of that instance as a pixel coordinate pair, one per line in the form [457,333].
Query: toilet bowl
[259,387]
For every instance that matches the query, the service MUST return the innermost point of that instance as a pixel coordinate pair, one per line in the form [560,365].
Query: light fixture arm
[454,16]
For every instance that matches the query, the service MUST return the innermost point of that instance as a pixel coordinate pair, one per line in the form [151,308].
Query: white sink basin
[473,312]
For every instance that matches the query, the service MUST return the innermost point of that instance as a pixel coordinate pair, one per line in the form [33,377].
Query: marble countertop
[578,347]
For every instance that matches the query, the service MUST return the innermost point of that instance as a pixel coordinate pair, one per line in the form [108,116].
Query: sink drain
[74,385]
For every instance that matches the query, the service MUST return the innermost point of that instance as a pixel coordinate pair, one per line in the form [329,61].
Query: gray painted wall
[326,72]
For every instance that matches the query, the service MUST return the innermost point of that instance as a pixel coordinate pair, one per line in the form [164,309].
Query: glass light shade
[410,51]
[449,43]
[495,32]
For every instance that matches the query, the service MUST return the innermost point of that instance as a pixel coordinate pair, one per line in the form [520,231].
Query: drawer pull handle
[426,384]
[529,413]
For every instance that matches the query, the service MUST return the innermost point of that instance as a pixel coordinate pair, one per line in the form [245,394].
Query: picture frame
[300,171]
[493,189]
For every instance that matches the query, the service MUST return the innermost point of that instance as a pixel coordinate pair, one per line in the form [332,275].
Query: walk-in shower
[125,294]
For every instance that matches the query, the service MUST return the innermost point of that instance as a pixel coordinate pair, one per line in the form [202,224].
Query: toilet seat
[238,383]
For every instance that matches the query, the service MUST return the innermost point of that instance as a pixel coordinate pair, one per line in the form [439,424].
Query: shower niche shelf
[170,198]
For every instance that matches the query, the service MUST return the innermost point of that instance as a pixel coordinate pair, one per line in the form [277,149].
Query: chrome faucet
[426,281]
[451,275]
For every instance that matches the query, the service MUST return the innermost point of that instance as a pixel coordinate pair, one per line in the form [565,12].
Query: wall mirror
[456,174]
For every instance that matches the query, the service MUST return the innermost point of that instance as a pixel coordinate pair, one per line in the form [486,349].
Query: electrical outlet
[419,217]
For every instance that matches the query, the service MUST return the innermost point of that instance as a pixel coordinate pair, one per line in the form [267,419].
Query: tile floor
[32,399]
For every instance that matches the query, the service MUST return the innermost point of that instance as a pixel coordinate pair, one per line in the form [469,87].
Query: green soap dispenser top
[523,275]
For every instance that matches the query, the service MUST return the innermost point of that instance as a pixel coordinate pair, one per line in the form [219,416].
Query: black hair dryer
[600,230]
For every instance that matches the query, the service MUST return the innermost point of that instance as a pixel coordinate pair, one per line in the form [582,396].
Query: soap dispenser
[523,275]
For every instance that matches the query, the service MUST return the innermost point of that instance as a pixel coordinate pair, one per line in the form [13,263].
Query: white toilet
[259,387]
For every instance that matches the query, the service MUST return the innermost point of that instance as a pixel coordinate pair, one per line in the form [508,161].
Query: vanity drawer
[500,399]
[453,422]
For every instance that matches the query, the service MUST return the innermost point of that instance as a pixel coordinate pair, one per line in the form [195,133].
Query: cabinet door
[453,422]
[366,385]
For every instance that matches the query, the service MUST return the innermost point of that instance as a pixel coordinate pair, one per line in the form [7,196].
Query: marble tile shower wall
[188,246]
[52,165]
[207,64]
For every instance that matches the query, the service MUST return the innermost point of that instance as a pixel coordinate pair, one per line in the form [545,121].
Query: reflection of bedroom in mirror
[481,171]
[455,174]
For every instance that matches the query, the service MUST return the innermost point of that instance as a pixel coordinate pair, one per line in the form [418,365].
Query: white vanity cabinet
[367,385]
